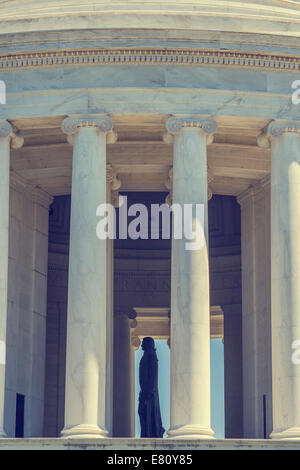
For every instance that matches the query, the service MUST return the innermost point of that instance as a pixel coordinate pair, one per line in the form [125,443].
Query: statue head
[148,344]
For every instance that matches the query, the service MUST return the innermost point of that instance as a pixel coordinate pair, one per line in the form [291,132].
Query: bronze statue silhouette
[149,409]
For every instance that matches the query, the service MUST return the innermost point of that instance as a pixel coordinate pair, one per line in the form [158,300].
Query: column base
[3,434]
[286,434]
[83,431]
[191,431]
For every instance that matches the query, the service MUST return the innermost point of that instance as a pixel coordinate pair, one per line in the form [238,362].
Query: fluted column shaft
[87,298]
[7,138]
[4,220]
[124,407]
[285,276]
[190,305]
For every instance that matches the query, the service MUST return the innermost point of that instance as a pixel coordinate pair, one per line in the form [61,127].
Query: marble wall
[59,231]
[256,266]
[27,292]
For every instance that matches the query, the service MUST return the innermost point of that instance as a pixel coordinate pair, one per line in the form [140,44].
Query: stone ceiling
[140,156]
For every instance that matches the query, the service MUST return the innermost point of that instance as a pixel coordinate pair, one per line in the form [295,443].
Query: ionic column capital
[174,125]
[7,131]
[210,178]
[115,184]
[112,178]
[129,315]
[169,185]
[103,124]
[277,129]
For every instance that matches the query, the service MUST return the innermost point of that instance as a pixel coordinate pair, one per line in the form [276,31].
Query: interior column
[190,304]
[7,138]
[285,277]
[85,400]
[124,386]
[113,185]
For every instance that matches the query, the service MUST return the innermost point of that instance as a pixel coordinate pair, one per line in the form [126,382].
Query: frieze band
[137,56]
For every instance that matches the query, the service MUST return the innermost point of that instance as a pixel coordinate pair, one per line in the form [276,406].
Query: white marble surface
[256,296]
[124,380]
[109,323]
[8,139]
[87,297]
[285,276]
[167,76]
[27,293]
[34,411]
[4,235]
[142,278]
[190,304]
[147,444]
[266,17]
[211,90]
[146,99]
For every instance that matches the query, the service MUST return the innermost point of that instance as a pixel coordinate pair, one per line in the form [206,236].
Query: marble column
[85,395]
[124,401]
[284,138]
[7,139]
[190,304]
[113,184]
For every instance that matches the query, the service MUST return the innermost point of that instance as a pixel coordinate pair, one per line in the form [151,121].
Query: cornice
[35,193]
[246,197]
[18,182]
[255,192]
[149,56]
[92,38]
[41,197]
[280,17]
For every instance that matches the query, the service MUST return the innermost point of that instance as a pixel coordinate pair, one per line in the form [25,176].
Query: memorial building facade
[145,102]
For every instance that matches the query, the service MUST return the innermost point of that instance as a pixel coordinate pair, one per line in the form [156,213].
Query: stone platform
[145,444]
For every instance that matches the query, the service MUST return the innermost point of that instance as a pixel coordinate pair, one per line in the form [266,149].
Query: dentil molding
[150,56]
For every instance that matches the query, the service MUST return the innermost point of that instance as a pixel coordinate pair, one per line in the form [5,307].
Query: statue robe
[149,409]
